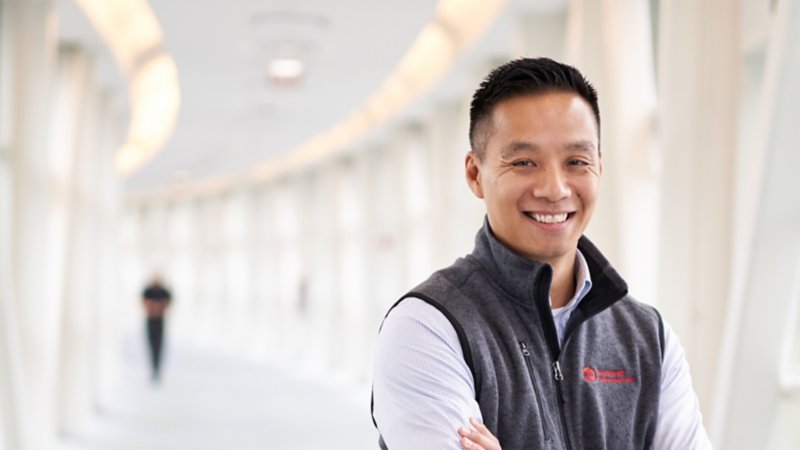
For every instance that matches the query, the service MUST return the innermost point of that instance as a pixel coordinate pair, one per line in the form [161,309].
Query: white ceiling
[232,117]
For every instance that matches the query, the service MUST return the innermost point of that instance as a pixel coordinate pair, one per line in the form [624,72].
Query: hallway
[214,401]
[291,169]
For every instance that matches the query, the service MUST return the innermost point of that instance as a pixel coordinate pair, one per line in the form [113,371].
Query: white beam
[766,271]
[699,63]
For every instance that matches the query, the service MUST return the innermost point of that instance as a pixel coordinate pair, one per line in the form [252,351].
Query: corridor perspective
[290,169]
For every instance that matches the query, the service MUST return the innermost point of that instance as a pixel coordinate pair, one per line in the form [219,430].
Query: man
[155,298]
[533,333]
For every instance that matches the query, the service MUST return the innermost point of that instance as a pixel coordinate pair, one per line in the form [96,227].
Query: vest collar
[518,276]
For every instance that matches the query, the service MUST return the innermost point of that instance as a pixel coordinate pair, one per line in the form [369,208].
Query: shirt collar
[583,283]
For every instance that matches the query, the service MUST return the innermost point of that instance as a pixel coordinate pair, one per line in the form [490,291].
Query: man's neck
[562,287]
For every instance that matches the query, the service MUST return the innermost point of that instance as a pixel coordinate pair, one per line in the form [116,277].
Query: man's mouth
[548,218]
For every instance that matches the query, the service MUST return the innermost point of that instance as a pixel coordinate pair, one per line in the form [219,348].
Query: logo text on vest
[594,375]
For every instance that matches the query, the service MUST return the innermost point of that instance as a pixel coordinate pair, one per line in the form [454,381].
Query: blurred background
[291,168]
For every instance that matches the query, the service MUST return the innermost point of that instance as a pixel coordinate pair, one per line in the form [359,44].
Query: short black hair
[524,76]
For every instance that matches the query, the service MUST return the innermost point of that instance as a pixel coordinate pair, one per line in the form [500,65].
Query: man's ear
[473,173]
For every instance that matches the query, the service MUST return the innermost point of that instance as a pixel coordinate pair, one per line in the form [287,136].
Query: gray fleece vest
[599,391]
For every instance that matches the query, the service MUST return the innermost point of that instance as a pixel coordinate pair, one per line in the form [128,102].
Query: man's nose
[551,185]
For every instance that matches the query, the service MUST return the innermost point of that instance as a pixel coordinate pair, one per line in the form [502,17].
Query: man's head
[536,157]
[524,76]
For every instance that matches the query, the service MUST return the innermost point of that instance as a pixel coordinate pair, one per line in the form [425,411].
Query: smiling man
[533,334]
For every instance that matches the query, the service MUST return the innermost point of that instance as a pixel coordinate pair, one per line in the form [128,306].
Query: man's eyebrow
[581,145]
[518,146]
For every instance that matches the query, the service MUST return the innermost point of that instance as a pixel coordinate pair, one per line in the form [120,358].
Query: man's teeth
[549,218]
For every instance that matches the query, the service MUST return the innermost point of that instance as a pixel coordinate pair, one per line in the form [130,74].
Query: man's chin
[548,254]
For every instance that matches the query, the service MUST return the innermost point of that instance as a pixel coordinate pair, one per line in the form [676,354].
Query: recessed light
[283,70]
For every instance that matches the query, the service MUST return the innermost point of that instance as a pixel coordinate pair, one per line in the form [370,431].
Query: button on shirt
[424,390]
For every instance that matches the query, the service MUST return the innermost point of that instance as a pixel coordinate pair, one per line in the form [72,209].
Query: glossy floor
[212,401]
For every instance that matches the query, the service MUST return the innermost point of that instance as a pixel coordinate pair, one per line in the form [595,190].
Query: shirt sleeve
[423,390]
[680,423]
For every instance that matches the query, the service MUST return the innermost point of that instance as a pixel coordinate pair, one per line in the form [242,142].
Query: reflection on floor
[210,401]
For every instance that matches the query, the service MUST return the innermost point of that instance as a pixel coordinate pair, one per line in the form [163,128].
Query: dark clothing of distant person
[156,299]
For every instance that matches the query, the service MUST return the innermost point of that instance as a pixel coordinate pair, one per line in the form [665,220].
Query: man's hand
[479,438]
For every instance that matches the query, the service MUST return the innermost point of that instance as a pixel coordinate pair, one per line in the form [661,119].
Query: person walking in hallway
[532,340]
[156,299]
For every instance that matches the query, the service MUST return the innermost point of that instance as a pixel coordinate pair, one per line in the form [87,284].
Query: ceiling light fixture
[286,70]
[287,40]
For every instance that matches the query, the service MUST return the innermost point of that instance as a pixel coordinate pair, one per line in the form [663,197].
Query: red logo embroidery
[593,375]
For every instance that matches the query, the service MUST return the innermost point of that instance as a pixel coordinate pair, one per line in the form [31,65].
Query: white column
[387,278]
[108,271]
[312,251]
[74,168]
[415,201]
[10,359]
[183,275]
[699,64]
[196,309]
[319,288]
[29,28]
[381,234]
[128,312]
[287,213]
[250,241]
[266,266]
[611,43]
[351,187]
[448,142]
[211,289]
[236,272]
[766,278]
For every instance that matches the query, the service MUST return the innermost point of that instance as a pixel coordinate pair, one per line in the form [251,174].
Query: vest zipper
[557,371]
[527,354]
[560,399]
[542,302]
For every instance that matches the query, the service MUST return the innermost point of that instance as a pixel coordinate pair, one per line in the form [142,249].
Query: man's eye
[578,162]
[523,163]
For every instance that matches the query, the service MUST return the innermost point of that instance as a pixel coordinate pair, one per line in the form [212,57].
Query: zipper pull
[524,348]
[557,371]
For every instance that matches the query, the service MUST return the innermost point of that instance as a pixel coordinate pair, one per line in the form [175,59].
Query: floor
[213,401]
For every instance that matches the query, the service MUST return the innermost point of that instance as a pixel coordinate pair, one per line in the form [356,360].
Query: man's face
[539,174]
